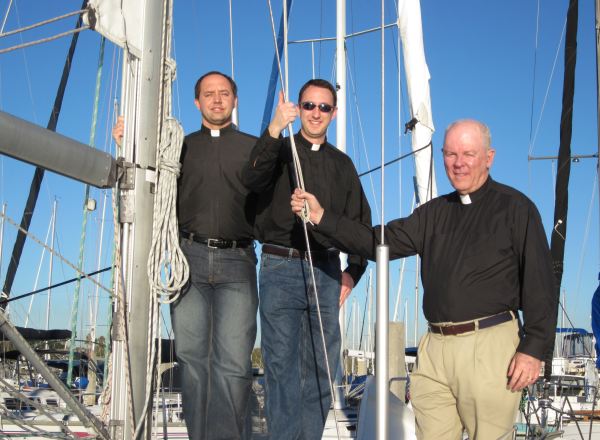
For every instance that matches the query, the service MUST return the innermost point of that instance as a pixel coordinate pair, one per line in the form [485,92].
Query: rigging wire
[395,160]
[38,24]
[45,40]
[382,241]
[75,305]
[53,286]
[363,139]
[27,70]
[39,269]
[535,53]
[5,17]
[556,56]
[585,239]
[56,253]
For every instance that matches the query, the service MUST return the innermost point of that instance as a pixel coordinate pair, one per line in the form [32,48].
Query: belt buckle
[210,241]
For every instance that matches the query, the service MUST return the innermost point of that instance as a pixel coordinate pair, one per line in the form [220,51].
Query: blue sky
[500,62]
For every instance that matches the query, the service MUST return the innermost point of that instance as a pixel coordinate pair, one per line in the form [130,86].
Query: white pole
[399,291]
[234,115]
[416,298]
[285,53]
[37,275]
[354,324]
[406,320]
[341,75]
[2,247]
[340,140]
[381,349]
[51,265]
[383,257]
[370,321]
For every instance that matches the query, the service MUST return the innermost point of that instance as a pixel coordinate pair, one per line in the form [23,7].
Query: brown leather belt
[457,329]
[282,251]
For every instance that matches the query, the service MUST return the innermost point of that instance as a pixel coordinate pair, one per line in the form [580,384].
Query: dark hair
[215,72]
[324,84]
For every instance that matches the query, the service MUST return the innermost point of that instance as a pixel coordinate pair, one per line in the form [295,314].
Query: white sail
[417,79]
[120,22]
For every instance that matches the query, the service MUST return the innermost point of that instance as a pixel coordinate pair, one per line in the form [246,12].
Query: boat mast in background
[340,137]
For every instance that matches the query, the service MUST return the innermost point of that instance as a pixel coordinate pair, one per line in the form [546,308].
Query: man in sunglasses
[296,365]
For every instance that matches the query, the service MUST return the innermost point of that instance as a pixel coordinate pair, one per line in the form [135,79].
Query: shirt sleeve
[539,299]
[258,175]
[360,238]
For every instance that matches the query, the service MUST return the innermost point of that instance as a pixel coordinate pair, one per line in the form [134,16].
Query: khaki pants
[460,382]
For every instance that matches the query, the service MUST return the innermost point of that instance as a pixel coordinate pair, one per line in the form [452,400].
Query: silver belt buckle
[210,241]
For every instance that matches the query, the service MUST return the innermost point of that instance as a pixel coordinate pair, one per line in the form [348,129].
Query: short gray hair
[483,129]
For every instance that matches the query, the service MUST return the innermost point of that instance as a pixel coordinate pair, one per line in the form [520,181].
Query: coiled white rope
[168,270]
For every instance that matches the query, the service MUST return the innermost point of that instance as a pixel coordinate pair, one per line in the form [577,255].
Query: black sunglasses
[324,108]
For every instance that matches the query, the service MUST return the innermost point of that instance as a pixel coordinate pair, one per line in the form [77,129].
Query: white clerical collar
[315,147]
[215,133]
[465,199]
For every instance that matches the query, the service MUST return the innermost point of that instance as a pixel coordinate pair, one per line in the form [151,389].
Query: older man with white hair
[484,257]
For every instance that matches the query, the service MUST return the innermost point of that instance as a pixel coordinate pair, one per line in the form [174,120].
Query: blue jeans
[297,387]
[214,322]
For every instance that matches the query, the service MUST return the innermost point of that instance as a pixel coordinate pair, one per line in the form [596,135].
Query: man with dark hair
[297,385]
[484,256]
[214,319]
[232,83]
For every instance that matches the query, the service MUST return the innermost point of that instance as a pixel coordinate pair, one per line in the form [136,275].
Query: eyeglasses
[323,108]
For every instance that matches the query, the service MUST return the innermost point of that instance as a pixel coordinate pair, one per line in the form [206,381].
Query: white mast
[382,273]
[51,265]
[340,140]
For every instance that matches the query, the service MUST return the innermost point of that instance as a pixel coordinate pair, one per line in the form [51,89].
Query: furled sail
[417,78]
[559,233]
[118,21]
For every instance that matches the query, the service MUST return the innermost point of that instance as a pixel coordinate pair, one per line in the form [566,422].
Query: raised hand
[285,114]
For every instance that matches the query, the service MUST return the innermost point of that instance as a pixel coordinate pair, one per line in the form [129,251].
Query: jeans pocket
[270,262]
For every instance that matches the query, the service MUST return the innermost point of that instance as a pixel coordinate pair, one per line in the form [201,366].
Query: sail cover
[417,78]
[120,22]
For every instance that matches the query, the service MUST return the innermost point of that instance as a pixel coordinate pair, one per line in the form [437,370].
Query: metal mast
[141,108]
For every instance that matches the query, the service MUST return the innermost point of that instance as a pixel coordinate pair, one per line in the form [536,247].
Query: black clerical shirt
[327,172]
[212,201]
[478,259]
